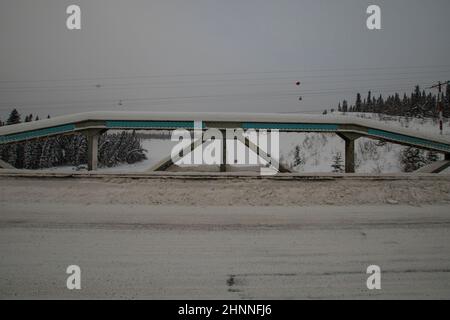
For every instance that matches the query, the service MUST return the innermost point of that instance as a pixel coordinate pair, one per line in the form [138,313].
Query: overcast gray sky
[215,55]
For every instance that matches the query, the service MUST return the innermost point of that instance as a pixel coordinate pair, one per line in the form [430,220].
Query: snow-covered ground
[316,149]
[228,192]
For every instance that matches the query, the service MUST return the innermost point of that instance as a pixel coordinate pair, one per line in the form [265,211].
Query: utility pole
[440,104]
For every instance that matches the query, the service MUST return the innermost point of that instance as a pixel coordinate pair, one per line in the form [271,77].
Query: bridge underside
[349,132]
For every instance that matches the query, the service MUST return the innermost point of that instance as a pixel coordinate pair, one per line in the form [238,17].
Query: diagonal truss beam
[168,161]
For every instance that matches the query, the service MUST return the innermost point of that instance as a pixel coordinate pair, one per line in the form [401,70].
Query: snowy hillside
[318,150]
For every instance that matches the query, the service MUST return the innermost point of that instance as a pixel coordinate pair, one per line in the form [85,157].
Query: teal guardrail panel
[409,139]
[291,126]
[37,133]
[118,124]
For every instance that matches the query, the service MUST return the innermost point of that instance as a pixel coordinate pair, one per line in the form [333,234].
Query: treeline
[417,104]
[114,149]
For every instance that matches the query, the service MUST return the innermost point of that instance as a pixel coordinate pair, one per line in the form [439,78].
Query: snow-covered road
[231,253]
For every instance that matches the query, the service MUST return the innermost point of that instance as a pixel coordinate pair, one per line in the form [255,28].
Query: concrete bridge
[92,124]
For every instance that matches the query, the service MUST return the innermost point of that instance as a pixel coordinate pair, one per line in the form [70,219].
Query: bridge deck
[283,122]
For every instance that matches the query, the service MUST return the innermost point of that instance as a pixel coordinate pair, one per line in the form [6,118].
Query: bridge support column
[92,136]
[349,139]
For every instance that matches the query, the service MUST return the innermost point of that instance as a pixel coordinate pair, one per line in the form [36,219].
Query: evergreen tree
[20,151]
[298,158]
[412,159]
[358,103]
[417,104]
[35,154]
[11,156]
[44,160]
[114,149]
[344,106]
[79,150]
[447,92]
[29,161]
[14,117]
[337,164]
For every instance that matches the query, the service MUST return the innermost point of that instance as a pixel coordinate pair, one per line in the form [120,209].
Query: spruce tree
[44,160]
[14,117]
[298,157]
[11,156]
[80,150]
[447,92]
[337,164]
[36,153]
[28,161]
[358,103]
[344,106]
[412,159]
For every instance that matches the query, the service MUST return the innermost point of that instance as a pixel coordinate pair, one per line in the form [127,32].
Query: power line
[180,84]
[252,95]
[180,75]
